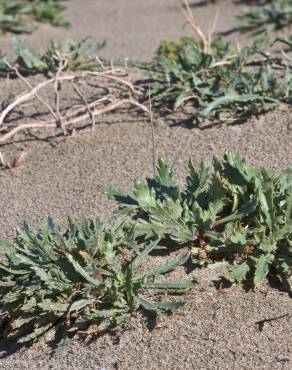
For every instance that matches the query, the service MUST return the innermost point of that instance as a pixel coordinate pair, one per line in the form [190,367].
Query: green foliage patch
[90,278]
[275,15]
[78,281]
[79,56]
[17,16]
[240,213]
[220,84]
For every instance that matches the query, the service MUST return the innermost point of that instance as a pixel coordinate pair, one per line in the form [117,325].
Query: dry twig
[152,134]
[42,101]
[123,93]
[57,86]
[88,108]
[185,7]
[206,40]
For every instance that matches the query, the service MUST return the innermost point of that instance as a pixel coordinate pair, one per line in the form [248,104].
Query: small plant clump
[78,282]
[79,56]
[217,83]
[17,16]
[239,213]
[275,14]
[90,279]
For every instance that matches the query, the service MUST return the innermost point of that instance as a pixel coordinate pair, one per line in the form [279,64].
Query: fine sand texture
[217,328]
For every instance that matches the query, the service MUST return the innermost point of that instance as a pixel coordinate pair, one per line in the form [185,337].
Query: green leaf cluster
[17,16]
[78,281]
[79,56]
[275,15]
[238,212]
[221,84]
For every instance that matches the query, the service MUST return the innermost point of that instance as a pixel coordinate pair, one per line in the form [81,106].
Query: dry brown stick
[26,126]
[212,30]
[87,106]
[124,82]
[190,18]
[57,86]
[114,76]
[100,63]
[47,105]
[79,119]
[69,114]
[109,108]
[25,97]
[75,112]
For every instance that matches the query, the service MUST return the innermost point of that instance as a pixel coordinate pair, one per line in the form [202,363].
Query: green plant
[78,281]
[16,15]
[217,82]
[239,213]
[275,14]
[79,56]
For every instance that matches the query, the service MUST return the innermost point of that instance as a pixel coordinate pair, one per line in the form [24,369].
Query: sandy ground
[133,28]
[215,329]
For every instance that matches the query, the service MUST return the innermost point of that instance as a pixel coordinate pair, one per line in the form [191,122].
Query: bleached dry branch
[124,93]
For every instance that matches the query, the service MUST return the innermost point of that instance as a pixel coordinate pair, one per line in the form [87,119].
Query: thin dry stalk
[76,110]
[100,63]
[185,7]
[42,101]
[212,30]
[73,121]
[57,86]
[27,96]
[152,134]
[87,106]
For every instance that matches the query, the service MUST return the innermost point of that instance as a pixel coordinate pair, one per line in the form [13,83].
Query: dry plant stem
[152,134]
[88,108]
[2,161]
[26,126]
[57,85]
[123,93]
[212,30]
[25,97]
[100,63]
[117,79]
[79,119]
[124,82]
[76,111]
[47,105]
[73,111]
[185,7]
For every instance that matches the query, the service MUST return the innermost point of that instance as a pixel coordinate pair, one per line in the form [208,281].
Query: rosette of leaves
[275,15]
[220,84]
[17,16]
[79,56]
[238,212]
[77,281]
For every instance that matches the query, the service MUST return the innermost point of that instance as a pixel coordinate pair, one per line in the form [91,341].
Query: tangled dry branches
[110,86]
